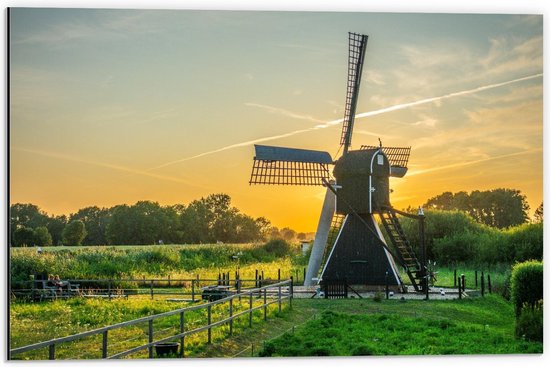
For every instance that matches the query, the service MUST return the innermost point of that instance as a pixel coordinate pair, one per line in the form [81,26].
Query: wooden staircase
[403,248]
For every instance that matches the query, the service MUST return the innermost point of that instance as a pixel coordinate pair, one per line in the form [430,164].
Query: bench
[53,292]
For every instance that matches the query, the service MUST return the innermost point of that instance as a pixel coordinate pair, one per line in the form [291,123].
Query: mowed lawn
[415,327]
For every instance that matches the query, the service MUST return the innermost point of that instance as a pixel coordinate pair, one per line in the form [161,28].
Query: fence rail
[276,293]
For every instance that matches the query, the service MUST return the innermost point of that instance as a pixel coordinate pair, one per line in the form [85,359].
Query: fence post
[104,345]
[265,302]
[489,283]
[475,273]
[482,284]
[291,290]
[182,330]
[463,282]
[279,274]
[193,290]
[304,275]
[151,338]
[230,316]
[209,322]
[455,277]
[109,288]
[256,278]
[169,284]
[151,286]
[51,352]
[459,288]
[279,296]
[250,310]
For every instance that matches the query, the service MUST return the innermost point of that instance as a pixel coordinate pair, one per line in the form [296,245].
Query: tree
[538,216]
[74,233]
[42,237]
[23,236]
[55,226]
[25,215]
[499,208]
[95,220]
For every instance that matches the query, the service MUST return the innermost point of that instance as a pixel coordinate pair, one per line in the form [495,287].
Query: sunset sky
[115,106]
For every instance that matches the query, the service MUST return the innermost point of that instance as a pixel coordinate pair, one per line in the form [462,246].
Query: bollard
[387,286]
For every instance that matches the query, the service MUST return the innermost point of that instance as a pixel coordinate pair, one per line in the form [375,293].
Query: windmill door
[379,181]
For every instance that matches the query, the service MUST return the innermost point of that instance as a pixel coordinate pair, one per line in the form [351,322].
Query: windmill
[356,250]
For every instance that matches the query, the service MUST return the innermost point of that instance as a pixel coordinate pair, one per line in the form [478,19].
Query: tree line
[207,220]
[499,208]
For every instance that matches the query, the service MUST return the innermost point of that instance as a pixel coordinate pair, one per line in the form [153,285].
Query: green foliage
[526,284]
[42,237]
[500,208]
[74,233]
[526,241]
[22,236]
[453,236]
[529,323]
[119,262]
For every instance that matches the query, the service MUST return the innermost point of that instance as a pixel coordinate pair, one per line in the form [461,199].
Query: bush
[526,285]
[526,241]
[529,324]
[278,248]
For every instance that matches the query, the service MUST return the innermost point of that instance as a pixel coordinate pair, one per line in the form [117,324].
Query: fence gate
[335,288]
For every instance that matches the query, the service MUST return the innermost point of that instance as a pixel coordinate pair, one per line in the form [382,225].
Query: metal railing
[276,293]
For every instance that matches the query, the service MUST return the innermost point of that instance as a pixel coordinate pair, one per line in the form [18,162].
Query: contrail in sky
[357,116]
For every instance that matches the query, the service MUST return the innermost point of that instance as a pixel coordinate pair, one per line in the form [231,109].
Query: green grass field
[312,327]
[364,327]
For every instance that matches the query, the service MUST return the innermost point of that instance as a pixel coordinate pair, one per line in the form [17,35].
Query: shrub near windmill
[359,189]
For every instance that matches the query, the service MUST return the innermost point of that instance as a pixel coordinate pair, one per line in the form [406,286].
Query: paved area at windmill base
[436,293]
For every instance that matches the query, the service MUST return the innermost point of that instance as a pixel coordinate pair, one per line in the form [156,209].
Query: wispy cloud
[328,124]
[469,163]
[72,158]
[283,112]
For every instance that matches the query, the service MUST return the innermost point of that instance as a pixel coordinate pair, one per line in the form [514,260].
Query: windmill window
[380,160]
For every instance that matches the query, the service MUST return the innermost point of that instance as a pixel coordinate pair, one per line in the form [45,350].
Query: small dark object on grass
[167,350]
[402,299]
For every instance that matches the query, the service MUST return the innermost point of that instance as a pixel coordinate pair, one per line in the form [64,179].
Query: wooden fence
[270,294]
[112,288]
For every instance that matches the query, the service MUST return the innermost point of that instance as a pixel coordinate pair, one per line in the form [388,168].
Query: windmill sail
[288,166]
[397,156]
[357,47]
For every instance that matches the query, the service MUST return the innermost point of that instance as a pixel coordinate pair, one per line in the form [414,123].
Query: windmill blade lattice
[287,166]
[398,156]
[357,47]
